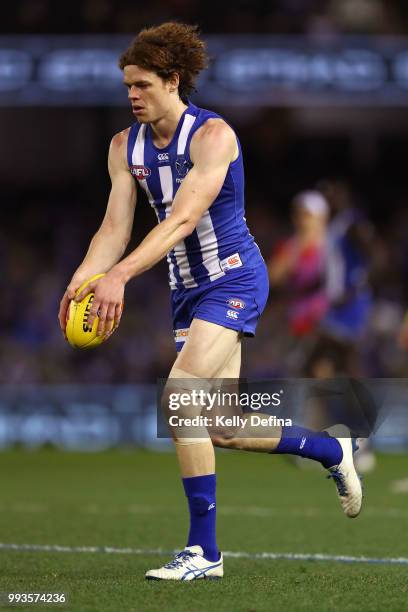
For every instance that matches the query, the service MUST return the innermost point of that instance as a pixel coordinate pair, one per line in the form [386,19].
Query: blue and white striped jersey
[222,230]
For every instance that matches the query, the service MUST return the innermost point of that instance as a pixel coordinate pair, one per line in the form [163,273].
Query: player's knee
[184,394]
[174,399]
[182,415]
[224,440]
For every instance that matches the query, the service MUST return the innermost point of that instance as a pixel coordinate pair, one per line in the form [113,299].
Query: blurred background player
[324,271]
[351,260]
[297,269]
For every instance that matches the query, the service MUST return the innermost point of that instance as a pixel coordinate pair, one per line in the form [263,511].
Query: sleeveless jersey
[222,230]
[347,275]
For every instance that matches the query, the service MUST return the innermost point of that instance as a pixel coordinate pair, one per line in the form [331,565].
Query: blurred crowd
[336,306]
[49,214]
[312,17]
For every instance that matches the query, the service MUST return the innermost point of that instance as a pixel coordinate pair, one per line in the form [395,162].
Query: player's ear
[174,81]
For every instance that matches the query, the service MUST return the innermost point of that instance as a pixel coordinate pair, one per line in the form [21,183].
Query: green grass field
[135,499]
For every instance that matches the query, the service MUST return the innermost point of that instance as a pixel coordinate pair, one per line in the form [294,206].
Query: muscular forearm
[158,242]
[105,250]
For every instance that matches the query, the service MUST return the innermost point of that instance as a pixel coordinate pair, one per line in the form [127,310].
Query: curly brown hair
[167,49]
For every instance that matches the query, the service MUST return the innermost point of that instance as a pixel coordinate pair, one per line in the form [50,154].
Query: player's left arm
[213,147]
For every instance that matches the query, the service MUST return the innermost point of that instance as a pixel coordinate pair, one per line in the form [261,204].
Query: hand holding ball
[78,334]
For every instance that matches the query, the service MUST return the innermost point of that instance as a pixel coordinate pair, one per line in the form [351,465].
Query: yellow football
[79,335]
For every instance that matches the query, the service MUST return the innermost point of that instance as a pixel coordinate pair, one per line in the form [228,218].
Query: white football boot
[345,475]
[189,564]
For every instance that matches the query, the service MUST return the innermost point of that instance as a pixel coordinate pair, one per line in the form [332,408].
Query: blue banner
[245,71]
[98,417]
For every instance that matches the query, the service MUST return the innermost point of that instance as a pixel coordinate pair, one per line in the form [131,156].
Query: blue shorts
[236,300]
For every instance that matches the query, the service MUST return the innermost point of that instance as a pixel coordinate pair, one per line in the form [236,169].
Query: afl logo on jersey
[236,303]
[140,172]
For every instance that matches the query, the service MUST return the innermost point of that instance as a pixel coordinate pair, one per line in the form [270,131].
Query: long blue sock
[200,492]
[319,446]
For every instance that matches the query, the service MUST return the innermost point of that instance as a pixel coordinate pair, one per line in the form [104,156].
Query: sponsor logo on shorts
[163,157]
[233,261]
[180,335]
[236,303]
[232,314]
[140,172]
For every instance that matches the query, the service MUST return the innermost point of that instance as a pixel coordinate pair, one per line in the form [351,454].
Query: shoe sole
[171,580]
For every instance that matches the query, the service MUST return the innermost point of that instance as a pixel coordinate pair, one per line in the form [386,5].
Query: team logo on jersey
[236,303]
[140,172]
[182,166]
[163,157]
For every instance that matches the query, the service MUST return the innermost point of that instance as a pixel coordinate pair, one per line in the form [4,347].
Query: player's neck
[164,128]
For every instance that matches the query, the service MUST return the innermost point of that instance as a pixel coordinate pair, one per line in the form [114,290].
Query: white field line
[257,511]
[271,556]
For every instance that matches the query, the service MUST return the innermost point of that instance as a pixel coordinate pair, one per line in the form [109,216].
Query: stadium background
[308,122]
[54,186]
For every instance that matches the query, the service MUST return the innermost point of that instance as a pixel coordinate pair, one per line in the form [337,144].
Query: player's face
[149,95]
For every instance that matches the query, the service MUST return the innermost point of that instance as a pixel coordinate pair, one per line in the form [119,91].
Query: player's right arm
[110,241]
